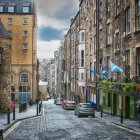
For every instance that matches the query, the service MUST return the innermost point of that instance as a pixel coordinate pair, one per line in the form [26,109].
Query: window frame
[25,21]
[25,33]
[118,7]
[100,10]
[24,79]
[23,46]
[108,34]
[1,9]
[137,15]
[24,9]
[11,21]
[11,9]
[82,58]
[128,20]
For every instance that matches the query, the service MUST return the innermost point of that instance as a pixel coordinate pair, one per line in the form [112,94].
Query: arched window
[24,78]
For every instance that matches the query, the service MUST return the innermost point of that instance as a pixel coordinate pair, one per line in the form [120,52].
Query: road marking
[11,129]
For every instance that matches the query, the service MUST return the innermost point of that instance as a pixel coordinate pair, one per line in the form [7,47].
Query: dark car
[69,105]
[84,109]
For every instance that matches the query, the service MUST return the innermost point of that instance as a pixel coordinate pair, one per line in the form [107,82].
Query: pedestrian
[138,112]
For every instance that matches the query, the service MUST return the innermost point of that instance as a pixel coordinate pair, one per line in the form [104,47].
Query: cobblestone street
[59,124]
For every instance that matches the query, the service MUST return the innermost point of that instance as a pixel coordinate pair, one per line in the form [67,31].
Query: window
[127,20]
[25,33]
[117,41]
[108,8]
[10,21]
[1,8]
[94,17]
[24,89]
[94,43]
[107,62]
[11,9]
[138,62]
[25,9]
[25,21]
[25,46]
[127,64]
[82,36]
[82,58]
[118,6]
[82,76]
[90,72]
[100,39]
[138,14]
[24,78]
[100,9]
[108,34]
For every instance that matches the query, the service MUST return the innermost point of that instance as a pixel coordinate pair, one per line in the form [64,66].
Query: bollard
[8,116]
[14,113]
[37,109]
[20,108]
[101,111]
[121,117]
[1,134]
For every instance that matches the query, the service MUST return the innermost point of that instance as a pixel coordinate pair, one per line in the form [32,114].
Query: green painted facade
[113,102]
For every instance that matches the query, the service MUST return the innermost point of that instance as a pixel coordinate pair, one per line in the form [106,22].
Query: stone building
[20,19]
[67,44]
[50,76]
[5,68]
[74,27]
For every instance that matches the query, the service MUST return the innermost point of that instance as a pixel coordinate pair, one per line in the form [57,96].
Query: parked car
[69,105]
[84,109]
[59,101]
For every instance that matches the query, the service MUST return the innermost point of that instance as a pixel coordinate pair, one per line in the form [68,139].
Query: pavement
[115,120]
[29,112]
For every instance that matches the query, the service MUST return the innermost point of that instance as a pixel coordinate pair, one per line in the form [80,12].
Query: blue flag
[94,71]
[115,68]
[104,72]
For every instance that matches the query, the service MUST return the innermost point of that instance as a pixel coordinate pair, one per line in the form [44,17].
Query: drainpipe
[97,53]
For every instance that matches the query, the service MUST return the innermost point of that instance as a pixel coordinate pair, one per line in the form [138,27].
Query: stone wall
[5,74]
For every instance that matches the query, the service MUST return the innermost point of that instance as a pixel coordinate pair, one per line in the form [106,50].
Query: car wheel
[78,115]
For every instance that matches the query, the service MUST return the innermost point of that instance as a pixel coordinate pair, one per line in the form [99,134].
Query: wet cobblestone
[59,124]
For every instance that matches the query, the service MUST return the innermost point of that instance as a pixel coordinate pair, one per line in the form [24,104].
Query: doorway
[114,104]
[127,107]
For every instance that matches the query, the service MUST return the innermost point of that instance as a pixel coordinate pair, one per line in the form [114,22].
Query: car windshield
[86,105]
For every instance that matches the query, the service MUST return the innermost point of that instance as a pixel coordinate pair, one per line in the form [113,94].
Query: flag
[115,68]
[104,72]
[94,71]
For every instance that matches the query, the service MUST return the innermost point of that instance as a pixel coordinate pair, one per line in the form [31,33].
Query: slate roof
[18,4]
[3,31]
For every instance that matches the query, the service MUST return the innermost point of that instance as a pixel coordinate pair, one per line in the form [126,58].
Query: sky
[53,23]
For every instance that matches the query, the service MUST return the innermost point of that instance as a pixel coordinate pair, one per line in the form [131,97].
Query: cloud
[56,13]
[48,34]
[46,48]
[53,22]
